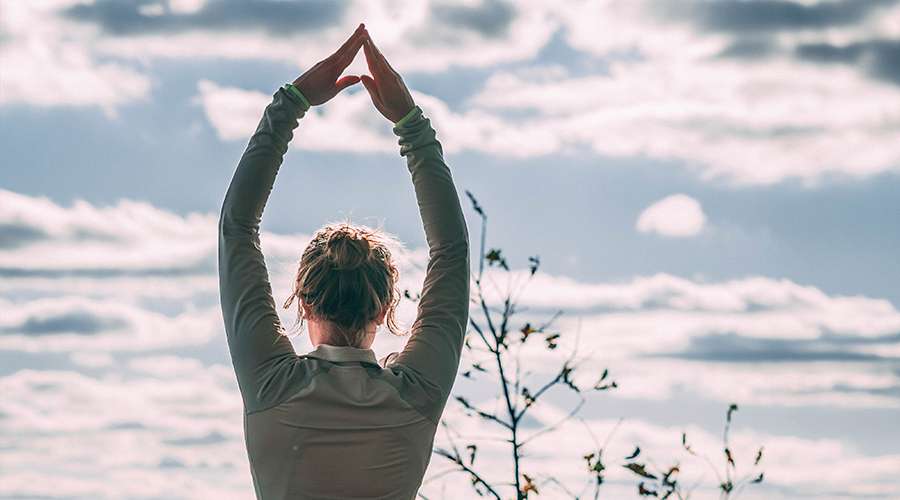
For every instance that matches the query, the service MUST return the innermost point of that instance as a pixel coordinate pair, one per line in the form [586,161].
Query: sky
[712,188]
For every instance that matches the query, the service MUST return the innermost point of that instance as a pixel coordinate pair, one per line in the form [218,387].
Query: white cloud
[665,93]
[742,121]
[791,464]
[759,124]
[174,421]
[676,216]
[747,123]
[76,324]
[186,6]
[407,33]
[91,359]
[130,277]
[176,424]
[46,63]
[42,47]
[234,114]
[129,236]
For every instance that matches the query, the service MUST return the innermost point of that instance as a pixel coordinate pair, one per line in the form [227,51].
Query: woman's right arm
[435,346]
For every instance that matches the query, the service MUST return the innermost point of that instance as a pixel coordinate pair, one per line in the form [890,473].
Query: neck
[320,333]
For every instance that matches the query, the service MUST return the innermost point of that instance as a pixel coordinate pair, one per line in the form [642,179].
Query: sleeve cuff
[291,89]
[407,118]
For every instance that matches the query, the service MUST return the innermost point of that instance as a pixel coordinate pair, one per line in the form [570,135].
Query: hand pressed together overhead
[385,86]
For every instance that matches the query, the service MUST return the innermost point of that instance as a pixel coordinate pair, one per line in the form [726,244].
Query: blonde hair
[347,277]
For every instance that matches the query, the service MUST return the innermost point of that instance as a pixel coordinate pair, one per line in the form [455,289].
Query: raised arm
[261,355]
[433,351]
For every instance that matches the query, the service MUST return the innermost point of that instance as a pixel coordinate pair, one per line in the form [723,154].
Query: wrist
[291,88]
[407,117]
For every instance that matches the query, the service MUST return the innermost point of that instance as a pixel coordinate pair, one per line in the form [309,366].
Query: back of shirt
[352,432]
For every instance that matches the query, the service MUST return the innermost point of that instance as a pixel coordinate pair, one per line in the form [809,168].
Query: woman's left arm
[259,351]
[252,325]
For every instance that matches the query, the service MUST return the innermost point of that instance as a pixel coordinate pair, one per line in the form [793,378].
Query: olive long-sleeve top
[336,423]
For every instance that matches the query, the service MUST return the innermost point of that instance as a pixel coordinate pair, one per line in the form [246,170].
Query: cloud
[73,324]
[491,18]
[425,36]
[37,48]
[669,93]
[736,348]
[742,94]
[768,16]
[880,58]
[676,216]
[180,431]
[278,18]
[234,114]
[168,301]
[65,321]
[174,420]
[753,123]
[97,45]
[128,277]
[136,237]
[723,340]
[793,466]
[55,421]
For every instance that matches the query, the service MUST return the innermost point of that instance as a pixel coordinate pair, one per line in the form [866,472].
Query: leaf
[529,486]
[731,409]
[759,455]
[472,449]
[634,454]
[475,206]
[534,262]
[758,479]
[644,492]
[604,387]
[601,386]
[566,378]
[639,469]
[526,331]
[529,398]
[684,443]
[667,478]
[494,256]
[727,486]
[552,341]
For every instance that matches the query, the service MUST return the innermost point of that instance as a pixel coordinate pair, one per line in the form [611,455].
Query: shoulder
[278,380]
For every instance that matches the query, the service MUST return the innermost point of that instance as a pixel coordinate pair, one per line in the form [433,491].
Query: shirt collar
[343,353]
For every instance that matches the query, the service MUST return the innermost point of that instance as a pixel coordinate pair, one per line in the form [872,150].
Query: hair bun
[346,251]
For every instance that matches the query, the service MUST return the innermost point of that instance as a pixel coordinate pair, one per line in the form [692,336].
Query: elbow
[231,224]
[226,219]
[454,248]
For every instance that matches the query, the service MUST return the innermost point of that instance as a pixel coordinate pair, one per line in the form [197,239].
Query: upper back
[347,429]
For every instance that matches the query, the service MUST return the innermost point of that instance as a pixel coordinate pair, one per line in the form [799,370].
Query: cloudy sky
[712,188]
